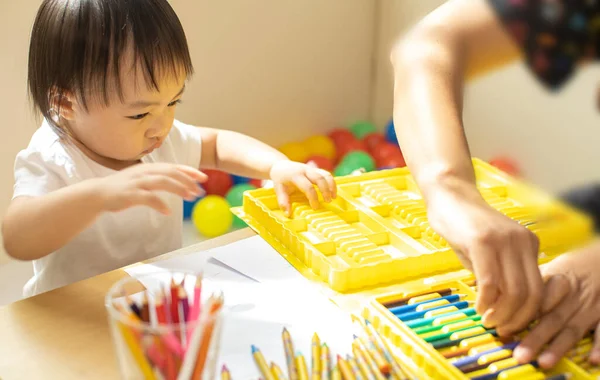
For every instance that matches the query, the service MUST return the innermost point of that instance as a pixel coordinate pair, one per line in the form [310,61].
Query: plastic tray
[376,232]
[420,357]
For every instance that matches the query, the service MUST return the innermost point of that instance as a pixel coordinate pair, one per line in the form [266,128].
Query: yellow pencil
[356,368]
[225,375]
[261,363]
[134,345]
[288,346]
[277,371]
[372,366]
[325,362]
[316,358]
[386,351]
[345,369]
[301,366]
[335,373]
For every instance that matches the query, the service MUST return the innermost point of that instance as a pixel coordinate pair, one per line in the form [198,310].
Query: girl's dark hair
[77,46]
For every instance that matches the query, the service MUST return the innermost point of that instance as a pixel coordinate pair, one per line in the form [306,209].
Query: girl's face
[131,127]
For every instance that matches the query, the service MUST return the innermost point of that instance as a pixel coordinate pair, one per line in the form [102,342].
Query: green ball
[342,170]
[362,128]
[235,198]
[359,159]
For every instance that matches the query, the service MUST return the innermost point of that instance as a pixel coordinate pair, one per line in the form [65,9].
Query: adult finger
[548,327]
[595,353]
[163,183]
[556,288]
[305,186]
[564,341]
[487,273]
[317,178]
[283,198]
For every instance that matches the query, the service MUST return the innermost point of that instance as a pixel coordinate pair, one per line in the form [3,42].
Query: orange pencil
[206,339]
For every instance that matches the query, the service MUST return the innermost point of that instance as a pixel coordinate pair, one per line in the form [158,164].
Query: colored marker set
[165,334]
[443,337]
[372,359]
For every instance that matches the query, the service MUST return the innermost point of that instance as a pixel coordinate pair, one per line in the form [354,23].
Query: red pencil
[145,310]
[196,306]
[174,302]
[161,316]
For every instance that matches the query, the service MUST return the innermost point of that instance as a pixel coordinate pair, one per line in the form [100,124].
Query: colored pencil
[225,375]
[325,362]
[386,351]
[359,365]
[174,305]
[363,351]
[145,309]
[405,300]
[134,345]
[195,309]
[355,368]
[468,360]
[469,321]
[425,313]
[430,321]
[277,372]
[335,373]
[413,307]
[345,370]
[301,366]
[261,363]
[288,346]
[133,306]
[316,358]
[206,337]
[185,305]
[444,343]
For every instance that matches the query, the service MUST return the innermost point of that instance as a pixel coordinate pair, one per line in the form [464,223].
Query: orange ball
[506,165]
[320,146]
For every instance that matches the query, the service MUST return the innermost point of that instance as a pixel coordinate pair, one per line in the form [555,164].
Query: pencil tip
[254,349]
[324,345]
[224,368]
[354,336]
[367,322]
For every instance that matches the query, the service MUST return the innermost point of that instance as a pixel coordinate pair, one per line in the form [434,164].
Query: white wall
[278,70]
[554,137]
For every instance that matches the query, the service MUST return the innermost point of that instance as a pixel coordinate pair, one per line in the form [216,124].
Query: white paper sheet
[257,312]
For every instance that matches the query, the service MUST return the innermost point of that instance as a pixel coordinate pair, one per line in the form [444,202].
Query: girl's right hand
[140,184]
[500,252]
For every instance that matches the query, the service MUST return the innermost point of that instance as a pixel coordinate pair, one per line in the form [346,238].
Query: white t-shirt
[115,239]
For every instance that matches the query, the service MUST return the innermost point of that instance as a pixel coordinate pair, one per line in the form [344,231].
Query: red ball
[392,162]
[384,151]
[506,165]
[256,183]
[218,183]
[350,146]
[341,136]
[372,140]
[322,162]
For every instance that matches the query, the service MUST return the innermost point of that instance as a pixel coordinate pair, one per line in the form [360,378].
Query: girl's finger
[194,173]
[305,186]
[150,199]
[316,178]
[168,184]
[330,182]
[283,198]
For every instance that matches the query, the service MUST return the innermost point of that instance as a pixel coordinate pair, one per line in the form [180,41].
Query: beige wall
[275,69]
[554,137]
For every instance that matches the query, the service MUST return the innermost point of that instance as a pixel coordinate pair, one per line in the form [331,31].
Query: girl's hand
[571,308]
[501,253]
[140,185]
[290,176]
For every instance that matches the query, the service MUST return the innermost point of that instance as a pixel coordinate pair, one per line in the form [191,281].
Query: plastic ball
[390,132]
[212,216]
[507,165]
[343,170]
[373,139]
[218,182]
[359,160]
[321,162]
[362,128]
[320,146]
[188,206]
[235,197]
[256,183]
[392,162]
[385,151]
[340,135]
[239,179]
[295,151]
[350,146]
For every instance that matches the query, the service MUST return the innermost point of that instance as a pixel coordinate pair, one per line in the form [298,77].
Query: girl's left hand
[571,308]
[289,176]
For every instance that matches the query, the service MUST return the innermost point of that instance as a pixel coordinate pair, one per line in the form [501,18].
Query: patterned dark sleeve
[555,35]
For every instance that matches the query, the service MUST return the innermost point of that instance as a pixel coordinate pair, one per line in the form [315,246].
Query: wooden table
[63,334]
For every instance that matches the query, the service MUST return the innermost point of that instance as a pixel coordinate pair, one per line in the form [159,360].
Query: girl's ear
[63,105]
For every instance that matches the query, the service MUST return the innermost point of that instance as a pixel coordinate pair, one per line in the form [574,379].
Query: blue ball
[238,180]
[188,206]
[390,132]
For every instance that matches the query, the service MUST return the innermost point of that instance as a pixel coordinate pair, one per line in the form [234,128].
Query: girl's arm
[457,41]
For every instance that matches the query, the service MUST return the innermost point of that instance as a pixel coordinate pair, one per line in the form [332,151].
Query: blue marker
[420,314]
[409,308]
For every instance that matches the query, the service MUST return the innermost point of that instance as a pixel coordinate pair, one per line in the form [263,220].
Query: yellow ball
[295,151]
[212,216]
[320,146]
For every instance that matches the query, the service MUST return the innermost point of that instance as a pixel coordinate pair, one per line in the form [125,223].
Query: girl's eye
[174,103]
[138,117]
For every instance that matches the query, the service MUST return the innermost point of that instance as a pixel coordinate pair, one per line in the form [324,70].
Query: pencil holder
[165,327]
